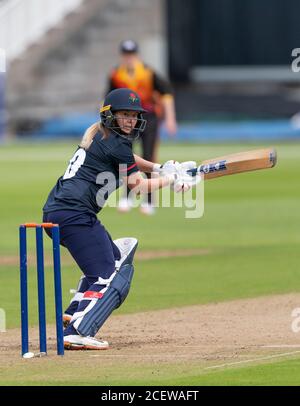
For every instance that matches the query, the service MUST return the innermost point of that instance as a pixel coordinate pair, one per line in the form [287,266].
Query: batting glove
[186,176]
[177,183]
[167,168]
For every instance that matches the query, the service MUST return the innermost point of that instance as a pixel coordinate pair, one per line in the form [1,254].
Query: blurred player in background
[157,98]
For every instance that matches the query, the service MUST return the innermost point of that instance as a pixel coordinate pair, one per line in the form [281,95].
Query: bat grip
[192,172]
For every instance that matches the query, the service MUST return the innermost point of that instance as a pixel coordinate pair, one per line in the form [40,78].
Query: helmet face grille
[109,121]
[122,99]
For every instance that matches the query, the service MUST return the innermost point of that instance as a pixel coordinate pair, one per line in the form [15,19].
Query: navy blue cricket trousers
[87,241]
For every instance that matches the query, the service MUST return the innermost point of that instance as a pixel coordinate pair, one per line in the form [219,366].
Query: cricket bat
[236,163]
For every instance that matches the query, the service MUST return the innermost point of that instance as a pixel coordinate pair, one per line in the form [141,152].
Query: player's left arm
[144,165]
[170,166]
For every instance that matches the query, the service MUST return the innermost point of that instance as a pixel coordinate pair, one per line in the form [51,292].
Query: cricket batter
[79,195]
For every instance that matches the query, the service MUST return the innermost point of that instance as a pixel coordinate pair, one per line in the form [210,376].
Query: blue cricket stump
[41,286]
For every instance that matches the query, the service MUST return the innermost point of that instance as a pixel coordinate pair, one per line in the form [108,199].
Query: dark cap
[129,47]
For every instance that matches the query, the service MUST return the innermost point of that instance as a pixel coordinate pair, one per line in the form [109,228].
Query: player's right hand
[167,168]
[186,176]
[180,180]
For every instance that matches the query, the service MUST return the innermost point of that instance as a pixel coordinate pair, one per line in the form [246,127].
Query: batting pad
[127,247]
[114,296]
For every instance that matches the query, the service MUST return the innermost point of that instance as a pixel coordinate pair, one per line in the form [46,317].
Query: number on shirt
[75,163]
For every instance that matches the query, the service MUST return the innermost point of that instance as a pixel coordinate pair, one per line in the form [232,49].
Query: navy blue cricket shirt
[91,171]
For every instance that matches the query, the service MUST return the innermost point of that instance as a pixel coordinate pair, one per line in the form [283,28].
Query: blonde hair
[90,133]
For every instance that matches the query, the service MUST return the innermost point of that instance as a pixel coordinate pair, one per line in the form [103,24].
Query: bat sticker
[214,167]
[273,158]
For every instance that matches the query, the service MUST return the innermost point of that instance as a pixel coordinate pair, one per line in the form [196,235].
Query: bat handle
[192,172]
